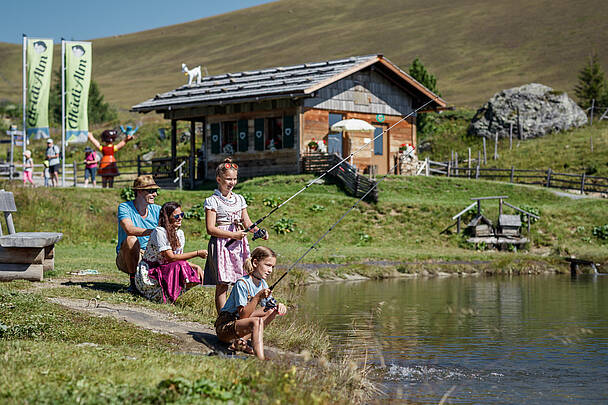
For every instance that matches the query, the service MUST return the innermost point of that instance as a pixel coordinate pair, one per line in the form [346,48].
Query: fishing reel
[259,234]
[271,303]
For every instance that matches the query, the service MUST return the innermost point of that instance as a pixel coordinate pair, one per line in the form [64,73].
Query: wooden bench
[24,255]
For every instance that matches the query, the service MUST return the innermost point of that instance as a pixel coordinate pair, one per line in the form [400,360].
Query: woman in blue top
[240,316]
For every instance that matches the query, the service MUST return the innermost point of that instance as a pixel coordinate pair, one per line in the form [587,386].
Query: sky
[86,19]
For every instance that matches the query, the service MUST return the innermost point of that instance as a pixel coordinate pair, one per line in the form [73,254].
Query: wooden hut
[480,226]
[266,118]
[509,225]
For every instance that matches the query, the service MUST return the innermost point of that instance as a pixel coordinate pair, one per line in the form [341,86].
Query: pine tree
[591,83]
[424,123]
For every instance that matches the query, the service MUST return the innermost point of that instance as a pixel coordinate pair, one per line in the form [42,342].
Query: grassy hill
[474,47]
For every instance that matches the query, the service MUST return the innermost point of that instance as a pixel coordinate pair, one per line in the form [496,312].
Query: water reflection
[483,339]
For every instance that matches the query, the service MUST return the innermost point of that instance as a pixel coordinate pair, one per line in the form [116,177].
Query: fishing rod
[333,226]
[260,233]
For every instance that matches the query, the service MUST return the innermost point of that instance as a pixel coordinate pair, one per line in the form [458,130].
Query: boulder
[541,111]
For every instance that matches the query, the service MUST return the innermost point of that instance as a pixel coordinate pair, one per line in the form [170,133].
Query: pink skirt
[173,278]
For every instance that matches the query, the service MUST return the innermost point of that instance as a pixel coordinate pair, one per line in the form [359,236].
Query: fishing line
[259,221]
[335,224]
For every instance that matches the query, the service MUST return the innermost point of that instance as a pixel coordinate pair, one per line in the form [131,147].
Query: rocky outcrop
[541,111]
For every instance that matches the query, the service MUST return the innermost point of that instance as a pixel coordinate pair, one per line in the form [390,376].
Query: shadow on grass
[98,286]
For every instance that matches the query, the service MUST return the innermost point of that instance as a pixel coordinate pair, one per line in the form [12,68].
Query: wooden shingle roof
[278,82]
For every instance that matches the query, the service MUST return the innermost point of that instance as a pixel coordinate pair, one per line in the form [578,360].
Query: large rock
[541,111]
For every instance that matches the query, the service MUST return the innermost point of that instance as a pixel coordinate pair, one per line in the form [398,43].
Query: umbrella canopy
[352,125]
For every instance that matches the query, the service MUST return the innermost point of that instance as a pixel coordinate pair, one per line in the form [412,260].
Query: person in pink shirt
[91,160]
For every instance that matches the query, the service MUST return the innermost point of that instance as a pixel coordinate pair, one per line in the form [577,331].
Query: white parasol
[352,125]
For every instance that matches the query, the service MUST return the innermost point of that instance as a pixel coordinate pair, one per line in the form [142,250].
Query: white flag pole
[24,136]
[62,112]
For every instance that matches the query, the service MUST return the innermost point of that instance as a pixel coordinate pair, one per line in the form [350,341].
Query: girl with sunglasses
[164,273]
[226,218]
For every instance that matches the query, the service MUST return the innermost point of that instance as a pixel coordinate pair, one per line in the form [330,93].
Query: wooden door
[381,154]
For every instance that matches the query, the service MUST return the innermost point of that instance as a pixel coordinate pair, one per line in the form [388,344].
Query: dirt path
[194,338]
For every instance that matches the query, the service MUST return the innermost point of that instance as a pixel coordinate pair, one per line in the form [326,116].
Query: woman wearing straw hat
[28,168]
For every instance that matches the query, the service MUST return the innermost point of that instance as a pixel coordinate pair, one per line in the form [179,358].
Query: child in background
[226,218]
[28,168]
[90,170]
[46,173]
[240,317]
[163,273]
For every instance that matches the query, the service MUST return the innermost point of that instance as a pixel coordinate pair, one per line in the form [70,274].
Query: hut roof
[480,219]
[281,82]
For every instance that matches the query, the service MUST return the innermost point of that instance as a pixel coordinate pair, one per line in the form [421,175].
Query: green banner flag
[78,62]
[39,54]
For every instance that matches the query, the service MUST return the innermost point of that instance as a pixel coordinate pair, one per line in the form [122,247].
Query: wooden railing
[546,178]
[357,185]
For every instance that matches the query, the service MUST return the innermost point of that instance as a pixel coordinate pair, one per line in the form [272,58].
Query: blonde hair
[259,253]
[227,164]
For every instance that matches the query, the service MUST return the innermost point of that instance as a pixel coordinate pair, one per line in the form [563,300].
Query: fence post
[469,164]
[496,146]
[510,136]
[583,183]
[549,177]
[449,167]
[519,134]
[138,165]
[75,173]
[591,142]
[478,157]
[458,225]
[427,168]
[485,161]
[477,172]
[456,162]
[512,173]
[592,108]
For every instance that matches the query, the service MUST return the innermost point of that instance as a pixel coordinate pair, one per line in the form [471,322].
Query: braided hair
[259,253]
[164,220]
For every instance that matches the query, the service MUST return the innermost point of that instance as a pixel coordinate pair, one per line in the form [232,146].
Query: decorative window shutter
[215,138]
[243,133]
[288,131]
[259,133]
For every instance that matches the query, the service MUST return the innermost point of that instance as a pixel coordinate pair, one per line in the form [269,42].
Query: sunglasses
[151,191]
[178,216]
[230,166]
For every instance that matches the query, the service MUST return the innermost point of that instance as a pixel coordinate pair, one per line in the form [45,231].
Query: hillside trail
[193,337]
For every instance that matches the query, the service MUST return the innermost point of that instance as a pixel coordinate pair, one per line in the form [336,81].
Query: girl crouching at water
[241,317]
[163,273]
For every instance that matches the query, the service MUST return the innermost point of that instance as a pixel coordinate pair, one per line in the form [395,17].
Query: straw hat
[145,182]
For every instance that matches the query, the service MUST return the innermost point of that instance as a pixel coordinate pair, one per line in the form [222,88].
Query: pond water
[500,340]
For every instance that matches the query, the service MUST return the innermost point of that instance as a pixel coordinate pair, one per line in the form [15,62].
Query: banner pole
[62,112]
[24,136]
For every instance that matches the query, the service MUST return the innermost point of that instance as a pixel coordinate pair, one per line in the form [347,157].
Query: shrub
[284,226]
[531,210]
[317,208]
[601,232]
[271,202]
[127,193]
[197,211]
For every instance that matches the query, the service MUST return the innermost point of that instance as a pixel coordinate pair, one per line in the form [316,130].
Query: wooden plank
[21,255]
[18,271]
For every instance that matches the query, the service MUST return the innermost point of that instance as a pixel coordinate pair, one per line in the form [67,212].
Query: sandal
[240,345]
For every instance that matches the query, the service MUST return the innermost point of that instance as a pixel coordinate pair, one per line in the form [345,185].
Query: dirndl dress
[224,265]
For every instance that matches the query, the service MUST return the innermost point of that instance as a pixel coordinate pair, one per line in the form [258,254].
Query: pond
[500,340]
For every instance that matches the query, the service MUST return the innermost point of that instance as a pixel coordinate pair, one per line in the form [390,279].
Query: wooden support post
[469,164]
[456,162]
[458,225]
[528,224]
[510,136]
[477,172]
[173,145]
[485,160]
[499,207]
[512,173]
[192,161]
[138,165]
[449,168]
[75,166]
[427,167]
[478,207]
[583,183]
[496,146]
[549,177]
[9,222]
[592,108]
[591,142]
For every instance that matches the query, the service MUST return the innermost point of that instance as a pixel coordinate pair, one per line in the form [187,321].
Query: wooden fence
[546,178]
[356,184]
[160,168]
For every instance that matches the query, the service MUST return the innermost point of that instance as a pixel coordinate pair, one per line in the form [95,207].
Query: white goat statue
[192,73]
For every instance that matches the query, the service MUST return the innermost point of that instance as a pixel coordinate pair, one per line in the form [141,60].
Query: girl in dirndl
[164,274]
[226,218]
